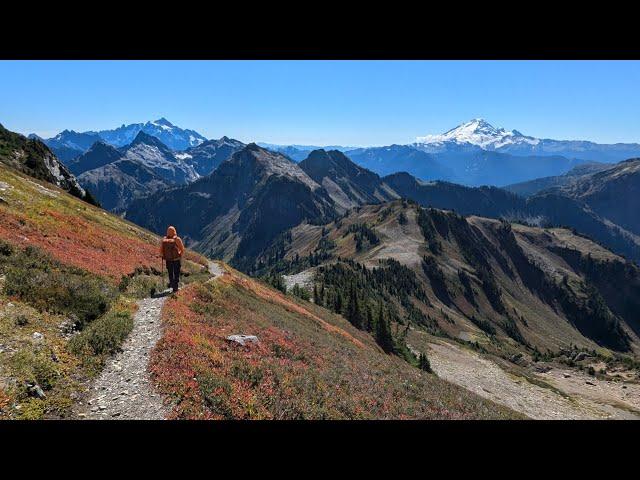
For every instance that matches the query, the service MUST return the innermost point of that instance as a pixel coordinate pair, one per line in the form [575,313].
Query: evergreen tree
[353,310]
[371,323]
[338,301]
[423,363]
[383,332]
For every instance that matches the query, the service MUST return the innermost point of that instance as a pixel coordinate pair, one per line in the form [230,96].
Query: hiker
[171,250]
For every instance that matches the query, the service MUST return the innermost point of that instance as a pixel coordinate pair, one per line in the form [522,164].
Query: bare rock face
[35,159]
[242,339]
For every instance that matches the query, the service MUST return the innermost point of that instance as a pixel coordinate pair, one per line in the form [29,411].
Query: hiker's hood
[171,232]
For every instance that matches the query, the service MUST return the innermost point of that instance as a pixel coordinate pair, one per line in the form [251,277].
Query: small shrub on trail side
[38,280]
[103,336]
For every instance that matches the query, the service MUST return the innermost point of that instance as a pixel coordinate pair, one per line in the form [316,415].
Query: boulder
[242,339]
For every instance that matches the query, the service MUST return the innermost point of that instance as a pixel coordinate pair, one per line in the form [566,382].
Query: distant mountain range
[300,152]
[69,144]
[476,153]
[241,207]
[531,187]
[240,212]
[117,175]
[232,186]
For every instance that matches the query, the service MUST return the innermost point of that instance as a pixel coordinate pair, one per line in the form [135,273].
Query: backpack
[170,249]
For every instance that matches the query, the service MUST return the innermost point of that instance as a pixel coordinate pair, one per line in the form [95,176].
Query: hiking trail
[124,389]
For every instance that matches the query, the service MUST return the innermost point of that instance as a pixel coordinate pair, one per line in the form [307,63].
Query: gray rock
[580,356]
[34,390]
[243,339]
[37,336]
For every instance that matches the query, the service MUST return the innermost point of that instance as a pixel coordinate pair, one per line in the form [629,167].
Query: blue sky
[326,102]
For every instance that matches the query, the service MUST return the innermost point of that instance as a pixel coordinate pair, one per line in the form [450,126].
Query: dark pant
[173,268]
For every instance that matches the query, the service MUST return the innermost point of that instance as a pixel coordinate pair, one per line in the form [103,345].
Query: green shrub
[37,279]
[103,336]
[35,367]
[32,409]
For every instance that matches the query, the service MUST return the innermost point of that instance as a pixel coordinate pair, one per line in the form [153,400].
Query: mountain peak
[481,133]
[145,138]
[163,121]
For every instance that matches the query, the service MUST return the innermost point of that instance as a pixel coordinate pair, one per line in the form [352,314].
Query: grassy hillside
[69,275]
[308,364]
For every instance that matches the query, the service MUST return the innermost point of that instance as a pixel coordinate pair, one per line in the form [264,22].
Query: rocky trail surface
[124,389]
[582,397]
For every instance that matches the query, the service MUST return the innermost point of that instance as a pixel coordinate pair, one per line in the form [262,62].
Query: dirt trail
[124,389]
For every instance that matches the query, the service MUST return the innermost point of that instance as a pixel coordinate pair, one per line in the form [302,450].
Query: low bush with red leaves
[308,364]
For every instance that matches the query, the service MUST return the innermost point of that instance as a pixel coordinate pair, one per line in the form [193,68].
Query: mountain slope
[118,183]
[513,288]
[98,155]
[238,209]
[155,155]
[34,158]
[401,158]
[485,201]
[347,183]
[207,156]
[117,176]
[545,208]
[308,363]
[613,193]
[531,187]
[69,277]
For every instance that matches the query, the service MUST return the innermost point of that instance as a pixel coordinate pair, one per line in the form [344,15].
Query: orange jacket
[171,233]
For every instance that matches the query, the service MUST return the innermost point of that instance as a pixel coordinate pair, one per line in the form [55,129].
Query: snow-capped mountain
[172,136]
[480,133]
[152,153]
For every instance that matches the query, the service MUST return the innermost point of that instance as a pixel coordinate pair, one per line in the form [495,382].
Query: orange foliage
[295,371]
[214,378]
[275,296]
[4,402]
[72,240]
